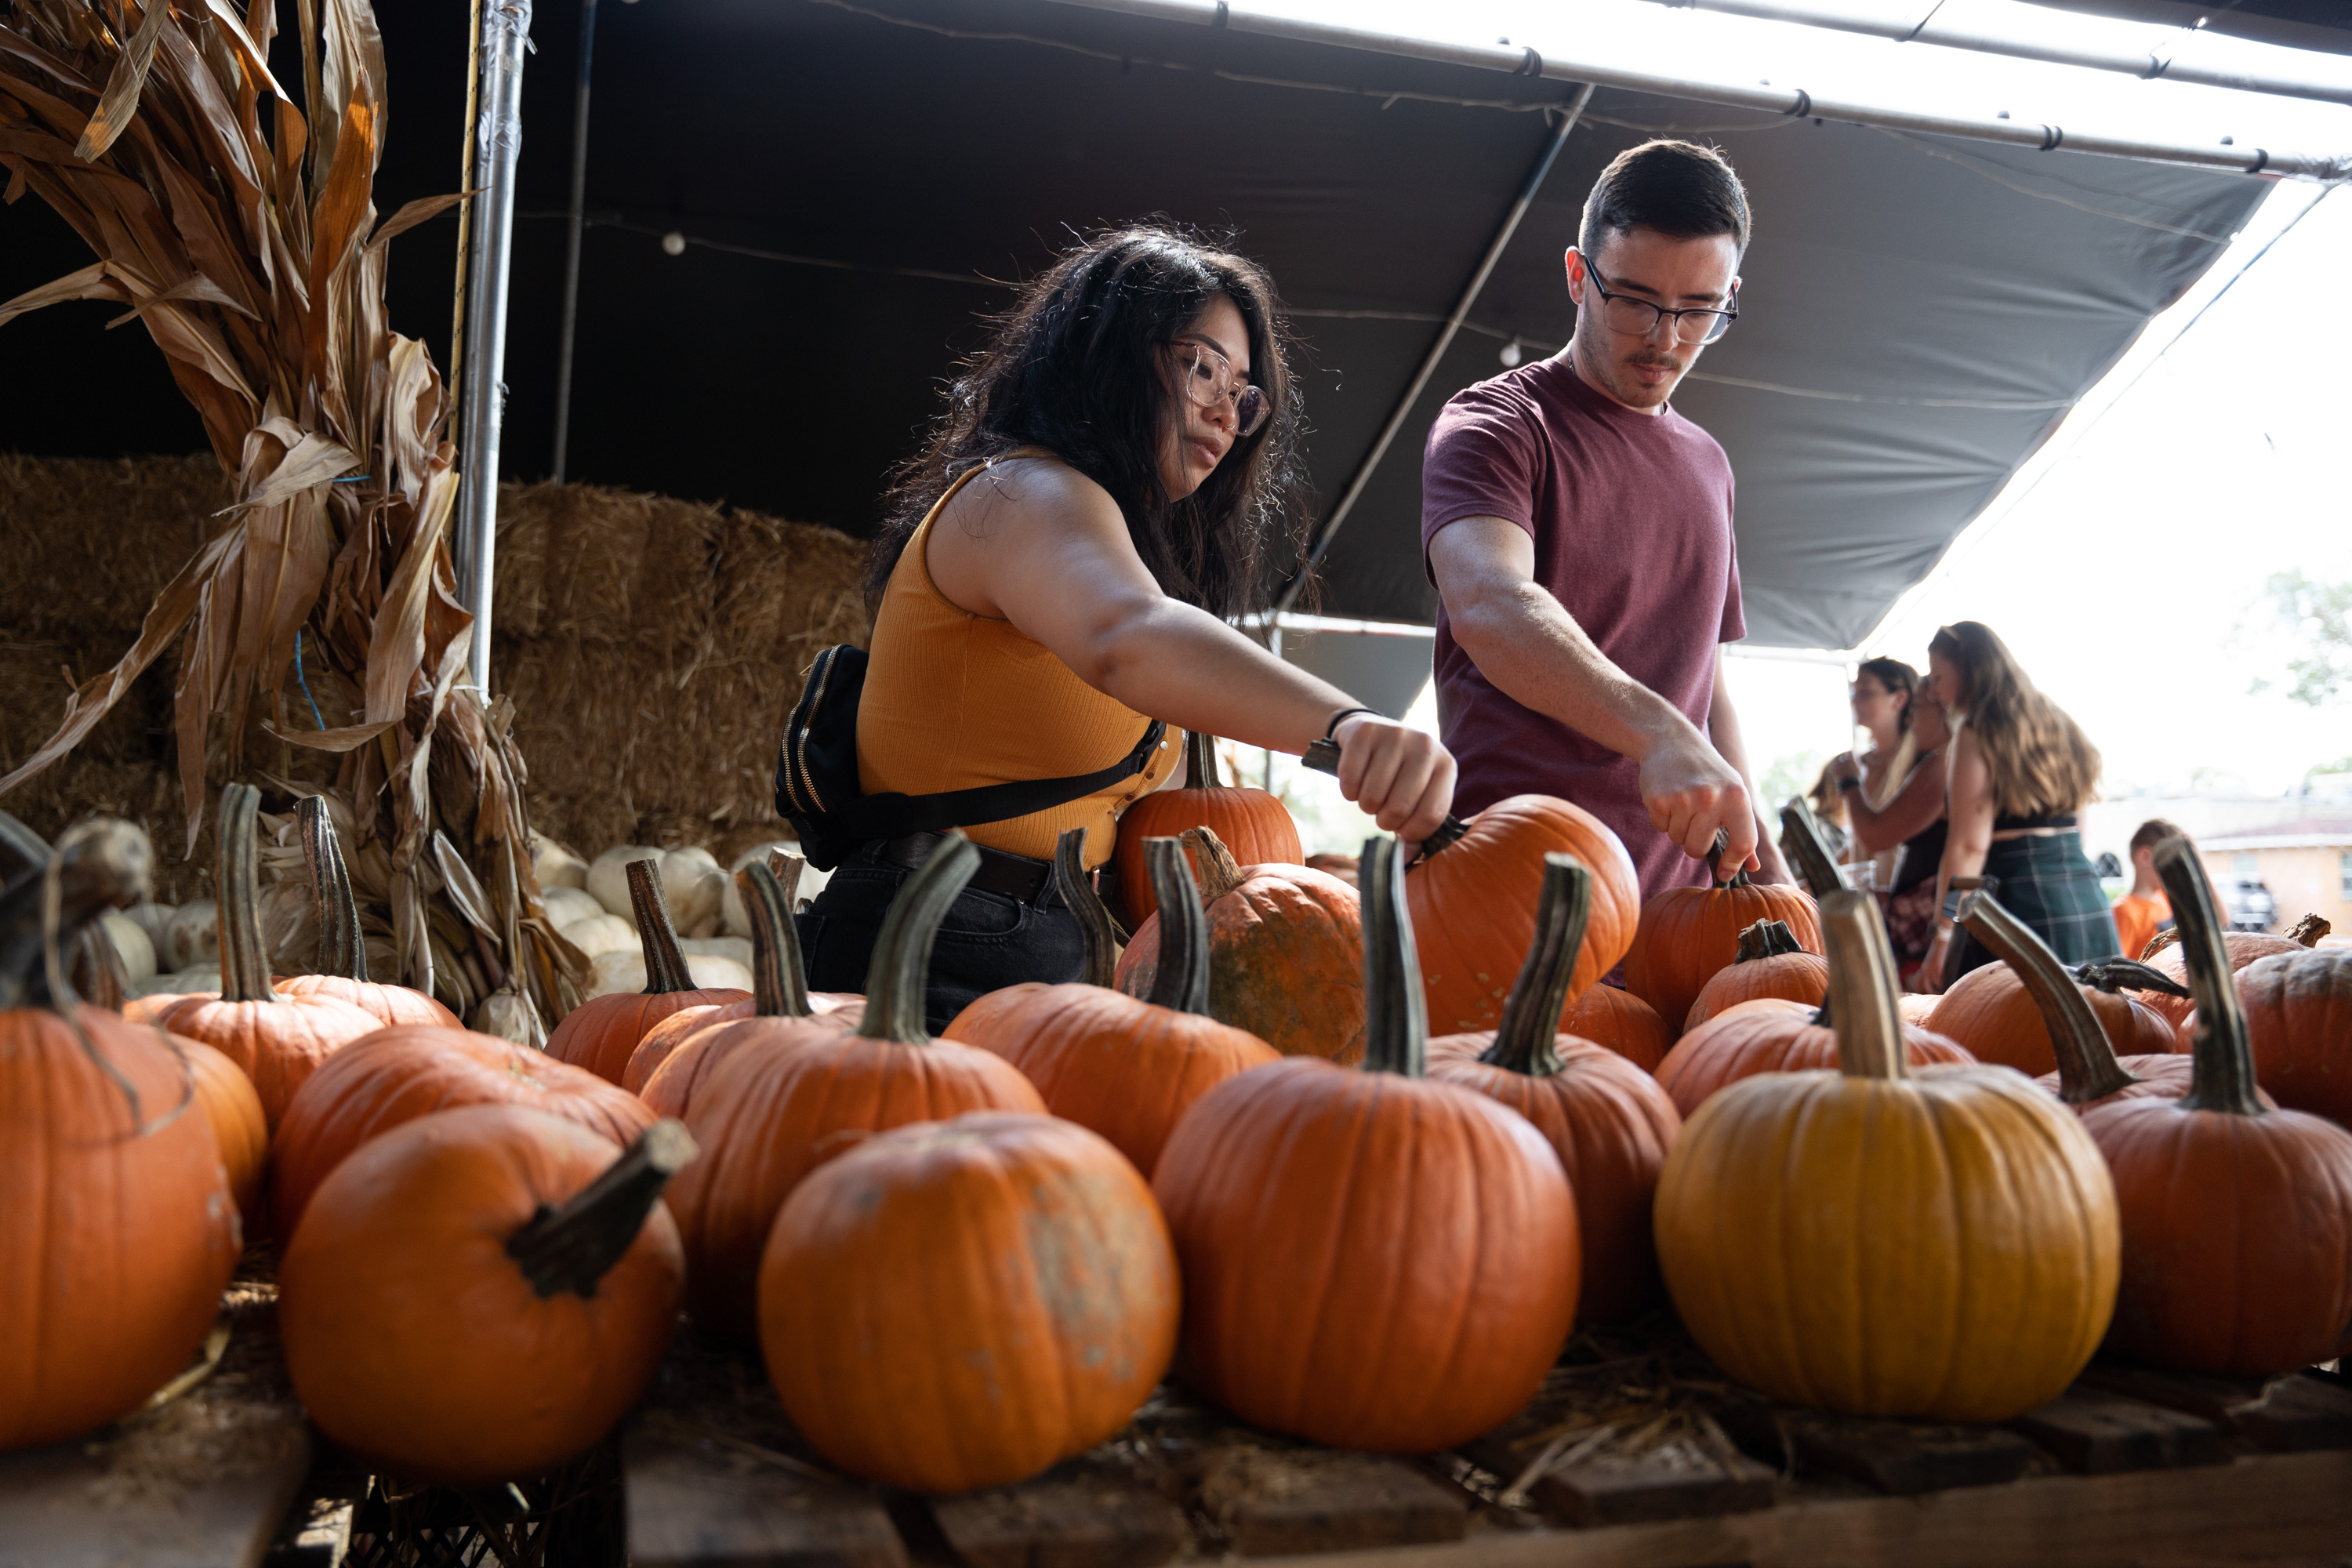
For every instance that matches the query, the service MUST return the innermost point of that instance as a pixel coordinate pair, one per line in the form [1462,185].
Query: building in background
[2305,864]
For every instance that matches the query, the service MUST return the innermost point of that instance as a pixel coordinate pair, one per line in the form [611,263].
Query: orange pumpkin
[963,1303]
[483,1293]
[774,1110]
[1607,1120]
[1124,1067]
[1993,1012]
[1612,1017]
[1689,934]
[234,1112]
[604,1032]
[2299,1023]
[1427,1232]
[279,1041]
[1772,1036]
[2243,946]
[394,1075]
[1473,902]
[119,1231]
[2236,1221]
[1769,963]
[343,952]
[1254,824]
[1285,952]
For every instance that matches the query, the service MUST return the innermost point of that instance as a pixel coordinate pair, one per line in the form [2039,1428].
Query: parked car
[2249,904]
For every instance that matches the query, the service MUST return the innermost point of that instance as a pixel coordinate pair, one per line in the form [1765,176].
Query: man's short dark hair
[1681,190]
[2152,832]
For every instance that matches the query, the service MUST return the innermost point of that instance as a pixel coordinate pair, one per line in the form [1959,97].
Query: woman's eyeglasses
[1209,380]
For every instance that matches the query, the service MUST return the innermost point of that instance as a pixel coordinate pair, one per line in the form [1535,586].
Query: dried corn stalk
[245,239]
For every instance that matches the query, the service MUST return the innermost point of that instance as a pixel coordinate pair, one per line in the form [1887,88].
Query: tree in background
[2318,617]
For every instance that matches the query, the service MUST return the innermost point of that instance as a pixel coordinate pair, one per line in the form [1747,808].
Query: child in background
[2144,912]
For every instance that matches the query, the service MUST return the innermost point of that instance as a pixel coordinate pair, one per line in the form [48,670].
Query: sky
[2126,564]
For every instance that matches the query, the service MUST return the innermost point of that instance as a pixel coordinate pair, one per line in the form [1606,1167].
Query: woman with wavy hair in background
[1904,832]
[1881,694]
[2021,769]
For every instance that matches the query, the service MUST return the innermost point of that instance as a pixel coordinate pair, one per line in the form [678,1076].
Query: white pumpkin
[623,971]
[608,877]
[555,865]
[155,920]
[733,947]
[692,882]
[567,905]
[602,933]
[132,943]
[193,937]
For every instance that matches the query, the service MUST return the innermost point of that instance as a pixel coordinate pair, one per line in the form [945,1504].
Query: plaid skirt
[2047,882]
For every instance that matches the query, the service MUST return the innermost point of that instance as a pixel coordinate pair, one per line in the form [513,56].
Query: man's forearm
[1533,653]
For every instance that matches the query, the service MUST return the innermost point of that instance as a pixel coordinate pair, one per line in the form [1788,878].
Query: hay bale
[651,648]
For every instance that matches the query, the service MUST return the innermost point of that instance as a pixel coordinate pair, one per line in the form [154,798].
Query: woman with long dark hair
[1905,833]
[1106,490]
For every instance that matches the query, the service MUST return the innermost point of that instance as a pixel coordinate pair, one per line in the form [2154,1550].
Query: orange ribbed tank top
[954,700]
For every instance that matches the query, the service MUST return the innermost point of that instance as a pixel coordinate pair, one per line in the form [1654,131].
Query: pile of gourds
[964,1258]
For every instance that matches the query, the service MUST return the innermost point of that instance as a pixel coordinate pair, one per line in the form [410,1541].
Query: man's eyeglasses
[1209,380]
[1637,318]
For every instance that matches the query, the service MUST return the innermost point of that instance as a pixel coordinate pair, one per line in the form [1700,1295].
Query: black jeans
[987,942]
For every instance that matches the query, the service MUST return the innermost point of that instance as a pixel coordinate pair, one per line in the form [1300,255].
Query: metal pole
[506,34]
[1516,59]
[1404,409]
[1903,24]
[571,249]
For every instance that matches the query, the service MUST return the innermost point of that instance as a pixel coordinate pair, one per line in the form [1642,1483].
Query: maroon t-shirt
[1631,515]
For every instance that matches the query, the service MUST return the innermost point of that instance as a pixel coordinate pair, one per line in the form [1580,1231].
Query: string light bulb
[674,243]
[1510,356]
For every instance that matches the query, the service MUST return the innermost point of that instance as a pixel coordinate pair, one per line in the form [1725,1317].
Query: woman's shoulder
[1036,482]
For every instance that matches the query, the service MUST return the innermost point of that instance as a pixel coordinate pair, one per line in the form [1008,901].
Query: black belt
[1014,876]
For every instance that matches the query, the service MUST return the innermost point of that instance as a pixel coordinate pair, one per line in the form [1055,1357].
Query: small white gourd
[555,865]
[691,883]
[566,905]
[602,933]
[131,944]
[608,877]
[193,937]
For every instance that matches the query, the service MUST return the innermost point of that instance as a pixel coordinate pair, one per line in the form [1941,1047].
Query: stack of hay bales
[651,647]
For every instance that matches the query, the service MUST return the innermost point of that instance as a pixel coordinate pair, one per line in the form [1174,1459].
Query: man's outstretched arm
[1535,653]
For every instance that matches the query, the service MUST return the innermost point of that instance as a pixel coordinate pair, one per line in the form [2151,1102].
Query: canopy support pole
[1573,111]
[578,224]
[498,140]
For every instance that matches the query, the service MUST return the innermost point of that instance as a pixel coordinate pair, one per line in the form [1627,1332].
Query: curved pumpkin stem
[1862,988]
[1180,979]
[1220,872]
[1323,757]
[2309,930]
[665,965]
[1766,939]
[342,951]
[779,987]
[900,970]
[101,865]
[97,970]
[2116,975]
[1715,863]
[1201,771]
[1801,836]
[2087,1068]
[22,851]
[1396,1007]
[1527,1040]
[2223,1078]
[236,862]
[574,1247]
[786,868]
[1079,897]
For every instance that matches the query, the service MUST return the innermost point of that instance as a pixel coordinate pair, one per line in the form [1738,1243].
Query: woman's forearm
[1185,666]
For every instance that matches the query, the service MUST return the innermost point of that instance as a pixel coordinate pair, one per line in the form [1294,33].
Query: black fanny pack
[817,786]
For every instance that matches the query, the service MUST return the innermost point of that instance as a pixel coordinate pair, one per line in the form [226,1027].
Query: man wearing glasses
[1579,531]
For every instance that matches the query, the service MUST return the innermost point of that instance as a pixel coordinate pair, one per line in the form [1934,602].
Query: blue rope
[305,682]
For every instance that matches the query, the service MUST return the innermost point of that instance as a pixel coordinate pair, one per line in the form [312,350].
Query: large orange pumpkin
[1773,1036]
[963,1303]
[2243,947]
[1769,963]
[238,1123]
[119,1231]
[279,1041]
[1129,1067]
[2236,1221]
[1607,1120]
[604,1032]
[482,1293]
[2299,1024]
[1285,952]
[1689,934]
[1474,906]
[1993,1012]
[1613,1016]
[394,1075]
[342,951]
[1371,1259]
[1255,826]
[774,1110]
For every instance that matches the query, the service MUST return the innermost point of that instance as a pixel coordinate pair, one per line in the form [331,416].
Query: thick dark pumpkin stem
[1181,978]
[572,1246]
[786,868]
[1862,988]
[1800,839]
[665,965]
[341,950]
[244,963]
[1396,1008]
[98,972]
[1220,873]
[2087,1068]
[1715,863]
[100,866]
[1323,757]
[1528,1041]
[900,970]
[2309,930]
[2117,975]
[779,985]
[1201,771]
[2223,1077]
[1766,939]
[1078,895]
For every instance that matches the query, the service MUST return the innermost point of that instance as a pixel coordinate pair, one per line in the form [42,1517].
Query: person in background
[1828,802]
[1881,695]
[2145,911]
[2021,769]
[1907,832]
